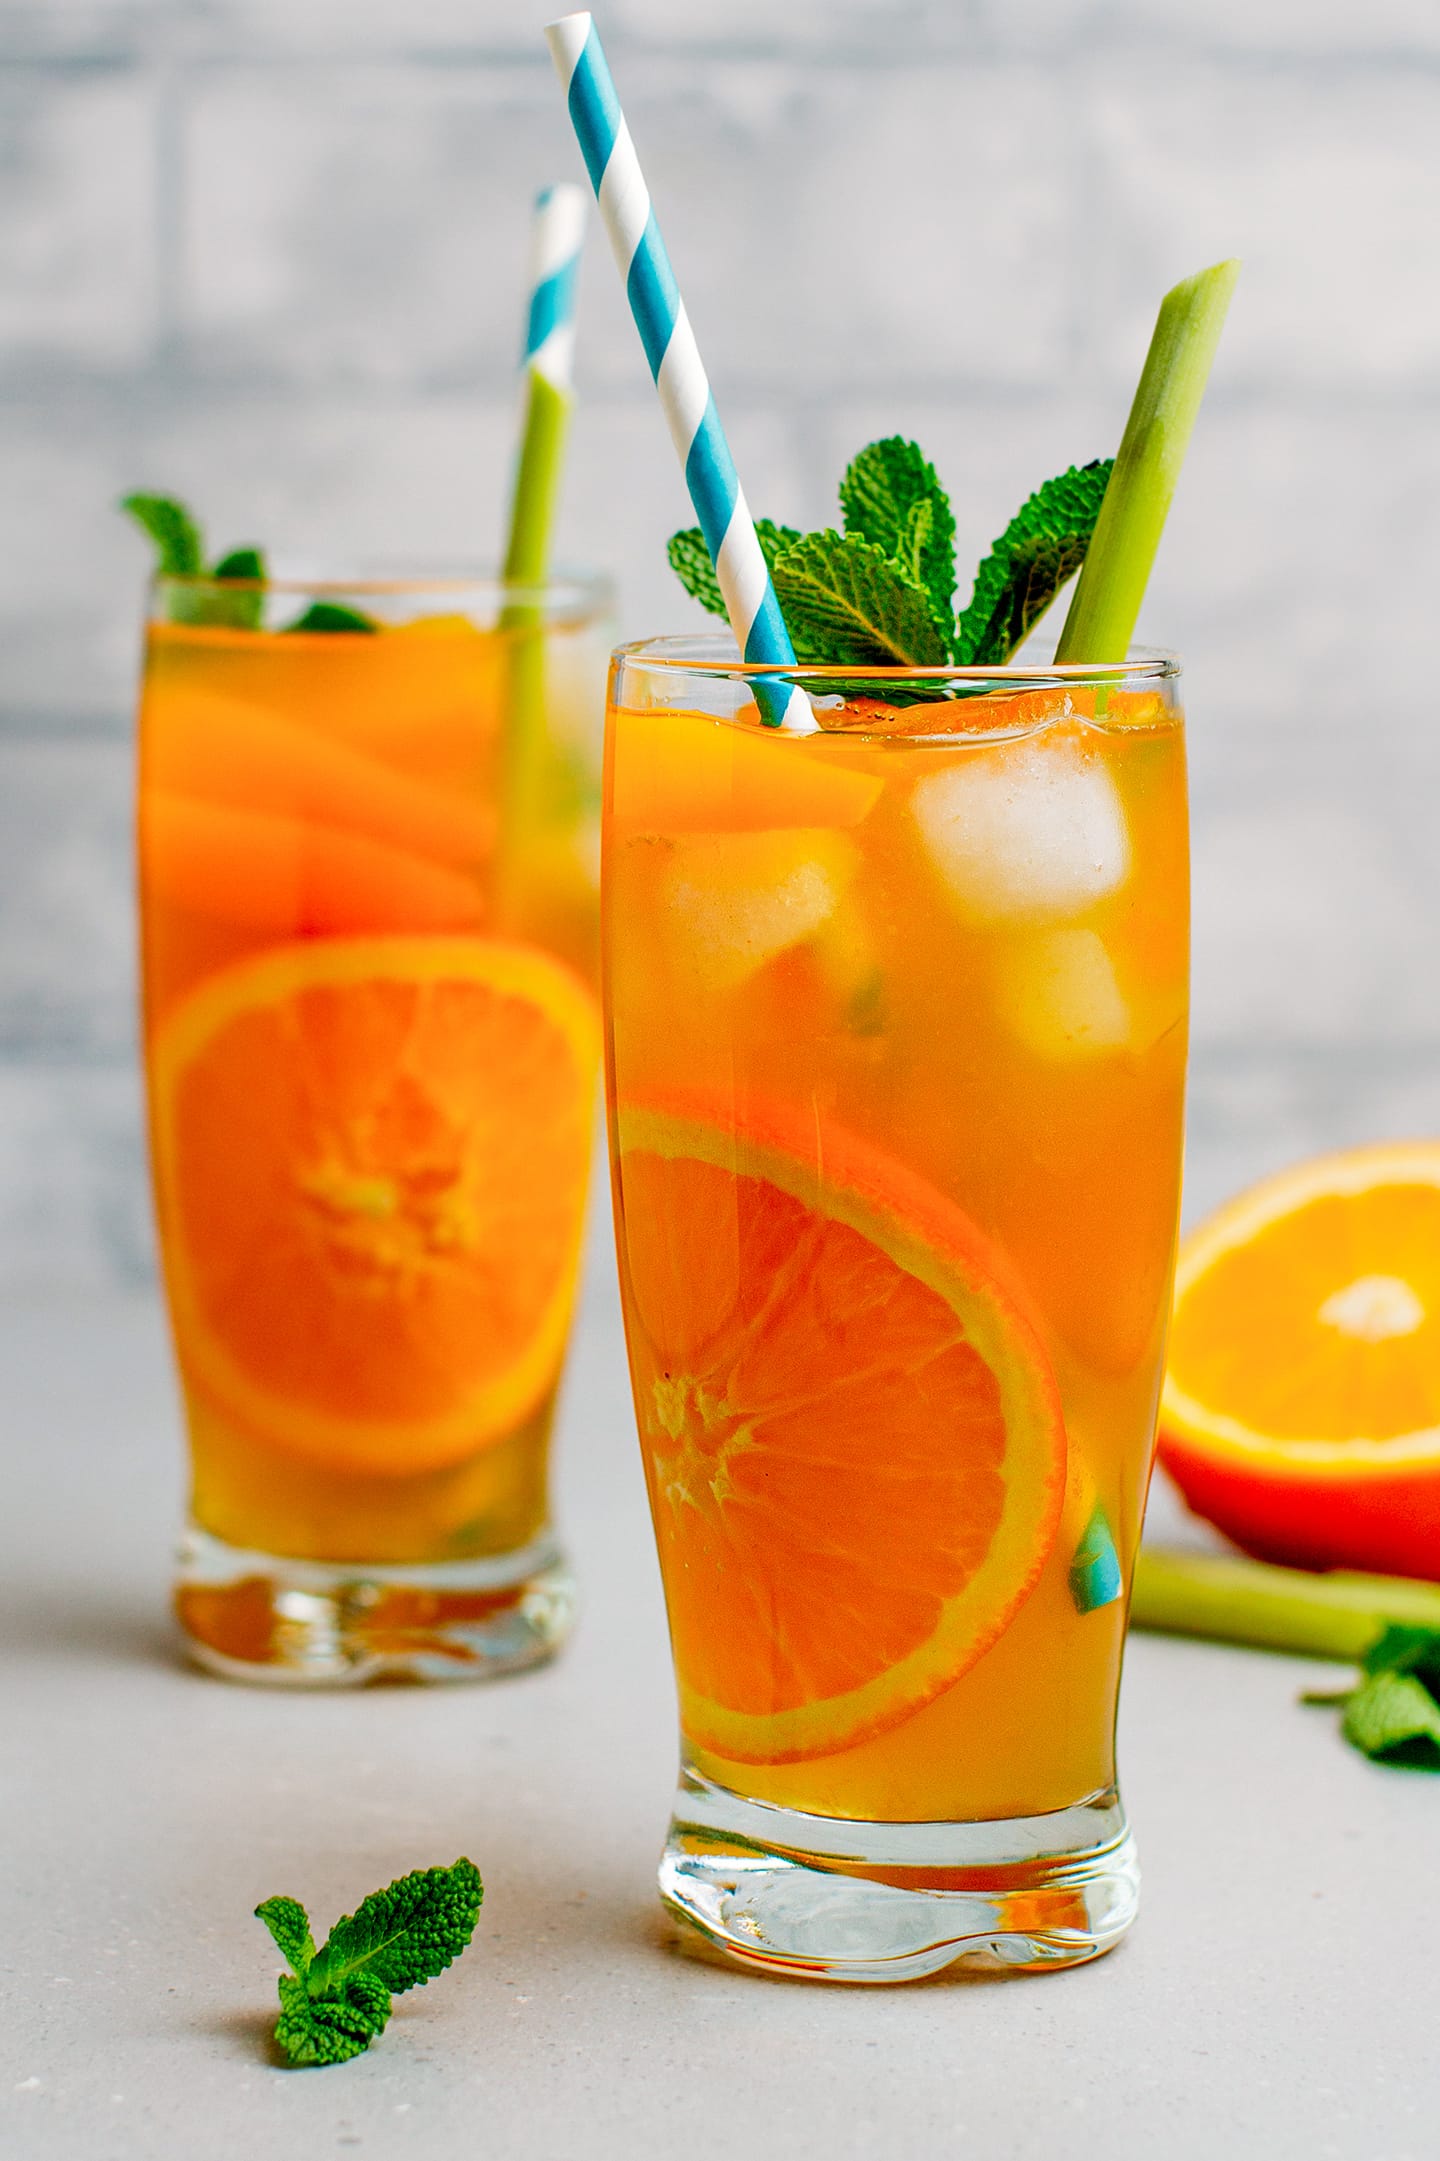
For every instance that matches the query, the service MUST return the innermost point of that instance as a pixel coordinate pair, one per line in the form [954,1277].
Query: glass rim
[676,654]
[567,590]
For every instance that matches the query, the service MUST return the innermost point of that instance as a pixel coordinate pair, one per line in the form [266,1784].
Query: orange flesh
[1023,1063]
[369,1146]
[1302,1403]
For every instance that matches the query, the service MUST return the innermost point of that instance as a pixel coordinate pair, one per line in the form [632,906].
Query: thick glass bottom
[318,1624]
[826,1899]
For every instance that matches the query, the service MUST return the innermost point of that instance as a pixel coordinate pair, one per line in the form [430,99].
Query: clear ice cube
[1059,992]
[1024,831]
[743,898]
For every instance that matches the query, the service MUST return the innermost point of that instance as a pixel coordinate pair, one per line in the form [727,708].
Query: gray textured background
[270,253]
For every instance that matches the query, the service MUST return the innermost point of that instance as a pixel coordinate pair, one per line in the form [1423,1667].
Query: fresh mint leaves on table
[180,553]
[881,593]
[334,2001]
[1393,1713]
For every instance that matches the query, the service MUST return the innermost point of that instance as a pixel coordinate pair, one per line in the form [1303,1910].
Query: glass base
[340,1624]
[826,1899]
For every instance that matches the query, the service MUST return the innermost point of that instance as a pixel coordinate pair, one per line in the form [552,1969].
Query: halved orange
[1302,1403]
[852,1434]
[372,1157]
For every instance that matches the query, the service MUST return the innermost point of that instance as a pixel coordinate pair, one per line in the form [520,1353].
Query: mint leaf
[1043,545]
[179,549]
[180,553]
[312,2033]
[1394,1718]
[891,496]
[404,1935]
[846,604]
[332,615]
[690,559]
[232,611]
[240,563]
[1393,1714]
[289,1924]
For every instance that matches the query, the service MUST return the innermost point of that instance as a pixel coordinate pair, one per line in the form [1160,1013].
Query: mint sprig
[180,553]
[1392,1714]
[880,594]
[334,2001]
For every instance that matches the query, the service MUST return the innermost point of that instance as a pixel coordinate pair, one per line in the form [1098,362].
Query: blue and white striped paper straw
[557,236]
[675,363]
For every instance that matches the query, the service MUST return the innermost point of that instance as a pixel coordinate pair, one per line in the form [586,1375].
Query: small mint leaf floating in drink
[690,559]
[337,1999]
[846,603]
[891,497]
[1040,549]
[1393,1713]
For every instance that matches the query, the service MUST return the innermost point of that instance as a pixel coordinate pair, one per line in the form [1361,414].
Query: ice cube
[1024,831]
[1059,992]
[742,898]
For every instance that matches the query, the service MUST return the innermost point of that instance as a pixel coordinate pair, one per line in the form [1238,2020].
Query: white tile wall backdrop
[269,253]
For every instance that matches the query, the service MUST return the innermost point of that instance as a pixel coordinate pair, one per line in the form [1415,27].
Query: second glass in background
[368,861]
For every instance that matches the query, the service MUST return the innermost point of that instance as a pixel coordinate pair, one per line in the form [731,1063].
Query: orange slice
[853,1438]
[372,1156]
[679,772]
[1302,1404]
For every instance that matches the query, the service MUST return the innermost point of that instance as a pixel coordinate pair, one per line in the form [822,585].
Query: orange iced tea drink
[896,1040]
[368,867]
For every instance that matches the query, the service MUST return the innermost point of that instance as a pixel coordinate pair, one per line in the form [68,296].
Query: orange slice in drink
[373,1156]
[1302,1402]
[853,1437]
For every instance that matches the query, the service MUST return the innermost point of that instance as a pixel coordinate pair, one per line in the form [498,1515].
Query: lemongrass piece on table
[1121,554]
[1337,1615]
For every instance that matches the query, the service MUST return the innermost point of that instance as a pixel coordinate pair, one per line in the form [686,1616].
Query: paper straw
[675,363]
[548,366]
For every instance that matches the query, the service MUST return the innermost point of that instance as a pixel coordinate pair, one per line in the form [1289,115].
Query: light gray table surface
[1278,1997]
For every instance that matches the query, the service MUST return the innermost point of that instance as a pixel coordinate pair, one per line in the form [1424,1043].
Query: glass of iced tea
[368,847]
[896,1021]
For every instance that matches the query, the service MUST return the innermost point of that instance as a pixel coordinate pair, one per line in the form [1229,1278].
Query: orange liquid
[302,790]
[969,956]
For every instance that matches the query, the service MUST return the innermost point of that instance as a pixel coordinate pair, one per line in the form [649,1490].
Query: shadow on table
[87,1624]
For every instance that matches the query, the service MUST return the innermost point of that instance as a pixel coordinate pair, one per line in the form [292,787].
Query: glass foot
[320,1624]
[826,1899]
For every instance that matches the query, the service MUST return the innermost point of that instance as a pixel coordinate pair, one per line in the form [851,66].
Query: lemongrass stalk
[1337,1616]
[1121,553]
[557,233]
[537,479]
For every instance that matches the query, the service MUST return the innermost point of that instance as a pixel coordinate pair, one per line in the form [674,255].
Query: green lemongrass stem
[1337,1615]
[537,479]
[527,563]
[1121,553]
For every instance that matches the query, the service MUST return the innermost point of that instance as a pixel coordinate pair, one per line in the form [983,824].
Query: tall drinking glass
[368,842]
[896,1055]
